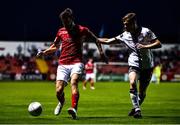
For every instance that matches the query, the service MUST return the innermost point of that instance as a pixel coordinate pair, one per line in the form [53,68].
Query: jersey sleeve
[89,36]
[85,31]
[151,36]
[57,38]
[120,38]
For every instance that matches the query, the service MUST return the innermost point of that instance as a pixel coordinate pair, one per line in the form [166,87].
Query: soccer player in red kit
[89,67]
[70,38]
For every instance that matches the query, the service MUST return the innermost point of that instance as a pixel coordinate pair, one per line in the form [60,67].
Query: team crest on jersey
[63,32]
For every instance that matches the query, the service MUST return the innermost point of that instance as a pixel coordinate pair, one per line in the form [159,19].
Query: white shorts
[64,72]
[89,76]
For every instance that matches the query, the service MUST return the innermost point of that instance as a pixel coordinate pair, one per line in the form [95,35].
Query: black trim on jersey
[135,40]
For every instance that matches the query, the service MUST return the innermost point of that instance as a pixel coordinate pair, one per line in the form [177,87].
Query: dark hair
[66,13]
[129,17]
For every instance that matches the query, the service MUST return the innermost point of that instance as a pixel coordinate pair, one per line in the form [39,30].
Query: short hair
[66,13]
[129,17]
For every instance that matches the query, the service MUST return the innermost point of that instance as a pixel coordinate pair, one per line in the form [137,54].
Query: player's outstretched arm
[153,45]
[51,49]
[102,54]
[108,41]
[97,42]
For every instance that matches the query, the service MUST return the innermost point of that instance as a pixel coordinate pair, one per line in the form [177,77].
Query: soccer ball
[35,108]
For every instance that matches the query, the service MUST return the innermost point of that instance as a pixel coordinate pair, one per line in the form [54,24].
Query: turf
[109,103]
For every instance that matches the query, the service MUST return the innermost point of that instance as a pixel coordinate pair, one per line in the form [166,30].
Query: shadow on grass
[175,117]
[105,117]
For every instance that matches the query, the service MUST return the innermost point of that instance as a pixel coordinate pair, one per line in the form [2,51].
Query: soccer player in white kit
[140,41]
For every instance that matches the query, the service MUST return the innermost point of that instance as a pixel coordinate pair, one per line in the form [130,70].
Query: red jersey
[89,67]
[71,49]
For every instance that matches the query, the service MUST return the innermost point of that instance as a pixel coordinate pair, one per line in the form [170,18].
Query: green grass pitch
[109,103]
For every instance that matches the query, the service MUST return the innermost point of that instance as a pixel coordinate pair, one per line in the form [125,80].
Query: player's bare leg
[84,84]
[92,84]
[60,96]
[136,112]
[75,96]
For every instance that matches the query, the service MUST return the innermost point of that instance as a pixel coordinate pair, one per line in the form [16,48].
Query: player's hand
[140,46]
[40,53]
[102,40]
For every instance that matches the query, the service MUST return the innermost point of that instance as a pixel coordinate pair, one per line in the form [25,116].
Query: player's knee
[59,87]
[132,81]
[132,84]
[74,82]
[74,88]
[59,90]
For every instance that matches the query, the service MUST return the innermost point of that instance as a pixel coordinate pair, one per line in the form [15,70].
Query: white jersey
[139,58]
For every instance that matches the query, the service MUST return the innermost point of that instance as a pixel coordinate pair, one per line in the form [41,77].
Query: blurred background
[31,25]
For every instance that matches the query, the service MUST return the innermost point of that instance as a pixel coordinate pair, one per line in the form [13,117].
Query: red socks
[75,99]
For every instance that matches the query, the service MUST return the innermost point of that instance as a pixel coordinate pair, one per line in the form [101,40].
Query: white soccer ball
[35,108]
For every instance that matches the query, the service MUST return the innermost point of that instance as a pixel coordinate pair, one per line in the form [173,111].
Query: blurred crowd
[169,59]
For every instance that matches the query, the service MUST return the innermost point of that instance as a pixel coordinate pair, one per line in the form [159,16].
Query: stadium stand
[19,63]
